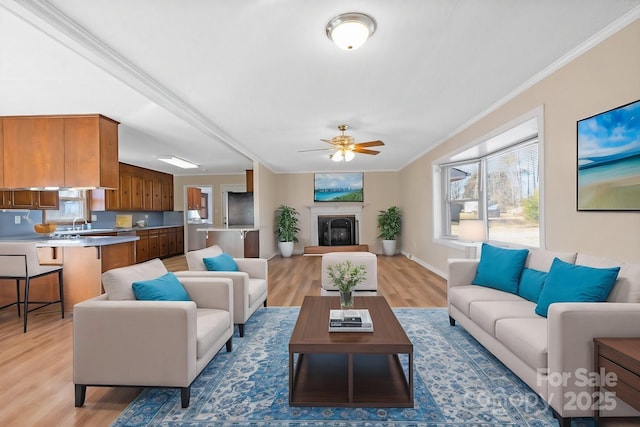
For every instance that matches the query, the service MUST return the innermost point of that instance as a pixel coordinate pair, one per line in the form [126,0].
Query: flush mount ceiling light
[177,161]
[351,30]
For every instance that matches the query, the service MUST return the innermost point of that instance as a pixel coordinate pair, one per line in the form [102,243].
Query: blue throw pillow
[531,283]
[222,262]
[164,288]
[575,283]
[500,268]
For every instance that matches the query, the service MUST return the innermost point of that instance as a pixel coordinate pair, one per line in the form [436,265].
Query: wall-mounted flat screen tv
[338,187]
[609,160]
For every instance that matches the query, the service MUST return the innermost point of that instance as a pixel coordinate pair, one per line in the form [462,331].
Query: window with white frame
[498,183]
[73,204]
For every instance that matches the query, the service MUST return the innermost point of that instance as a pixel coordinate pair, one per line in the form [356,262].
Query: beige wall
[381,190]
[265,201]
[605,77]
[215,181]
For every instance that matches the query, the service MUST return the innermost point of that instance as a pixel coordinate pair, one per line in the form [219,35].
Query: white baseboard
[425,265]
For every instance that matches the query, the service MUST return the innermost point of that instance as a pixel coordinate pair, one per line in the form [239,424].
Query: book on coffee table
[350,321]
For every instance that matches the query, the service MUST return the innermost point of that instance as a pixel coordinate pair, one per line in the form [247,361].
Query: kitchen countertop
[87,241]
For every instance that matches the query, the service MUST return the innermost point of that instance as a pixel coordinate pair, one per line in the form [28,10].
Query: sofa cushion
[627,286]
[257,288]
[500,268]
[117,282]
[531,283]
[486,313]
[526,338]
[370,260]
[211,324]
[575,283]
[461,297]
[163,288]
[194,258]
[541,259]
[222,262]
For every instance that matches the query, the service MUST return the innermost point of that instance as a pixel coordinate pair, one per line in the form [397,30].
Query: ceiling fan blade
[315,149]
[370,144]
[365,151]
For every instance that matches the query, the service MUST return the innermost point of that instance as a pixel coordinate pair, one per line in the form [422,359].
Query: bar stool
[19,261]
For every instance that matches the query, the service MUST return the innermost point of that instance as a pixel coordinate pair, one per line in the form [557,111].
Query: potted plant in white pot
[346,276]
[389,228]
[286,229]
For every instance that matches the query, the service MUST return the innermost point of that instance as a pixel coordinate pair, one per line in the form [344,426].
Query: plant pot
[346,300]
[389,247]
[286,249]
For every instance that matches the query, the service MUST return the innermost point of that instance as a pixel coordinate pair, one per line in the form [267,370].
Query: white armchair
[250,282]
[369,286]
[120,341]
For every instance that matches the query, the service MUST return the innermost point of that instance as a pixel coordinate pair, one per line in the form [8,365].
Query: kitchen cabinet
[125,192]
[137,193]
[179,240]
[33,152]
[5,199]
[140,189]
[163,240]
[194,198]
[1,157]
[25,199]
[58,151]
[249,180]
[154,244]
[90,151]
[142,246]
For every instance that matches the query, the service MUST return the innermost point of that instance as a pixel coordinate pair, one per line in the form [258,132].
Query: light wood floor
[36,368]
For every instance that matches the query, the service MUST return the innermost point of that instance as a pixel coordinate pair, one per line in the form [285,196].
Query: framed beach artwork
[338,187]
[609,160]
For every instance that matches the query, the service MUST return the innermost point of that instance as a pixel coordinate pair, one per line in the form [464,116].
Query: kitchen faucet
[73,225]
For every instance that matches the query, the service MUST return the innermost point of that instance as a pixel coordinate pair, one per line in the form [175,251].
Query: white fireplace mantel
[333,209]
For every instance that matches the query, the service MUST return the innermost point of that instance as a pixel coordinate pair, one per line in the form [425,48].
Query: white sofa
[540,349]
[250,282]
[120,341]
[369,286]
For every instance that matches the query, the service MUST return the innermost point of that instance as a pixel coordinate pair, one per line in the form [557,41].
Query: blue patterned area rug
[457,383]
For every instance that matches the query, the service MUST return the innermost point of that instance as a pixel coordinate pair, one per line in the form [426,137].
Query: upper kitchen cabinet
[58,151]
[140,190]
[90,151]
[194,198]
[33,149]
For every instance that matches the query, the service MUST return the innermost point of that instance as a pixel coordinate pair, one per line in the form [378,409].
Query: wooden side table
[617,362]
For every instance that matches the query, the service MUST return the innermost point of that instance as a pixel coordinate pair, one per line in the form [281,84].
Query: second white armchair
[250,282]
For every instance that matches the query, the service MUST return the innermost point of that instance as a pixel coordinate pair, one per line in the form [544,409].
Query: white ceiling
[224,83]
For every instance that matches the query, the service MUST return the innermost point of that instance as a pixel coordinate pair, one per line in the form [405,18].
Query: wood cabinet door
[1,157]
[147,203]
[48,200]
[33,152]
[180,241]
[137,193]
[157,195]
[154,245]
[173,242]
[167,198]
[194,198]
[142,246]
[5,199]
[23,199]
[163,240]
[125,192]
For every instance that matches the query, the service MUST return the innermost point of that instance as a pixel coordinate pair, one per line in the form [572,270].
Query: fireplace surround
[342,223]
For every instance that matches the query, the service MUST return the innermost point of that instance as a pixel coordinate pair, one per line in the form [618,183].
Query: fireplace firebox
[339,230]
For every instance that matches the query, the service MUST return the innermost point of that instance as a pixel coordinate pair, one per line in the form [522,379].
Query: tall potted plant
[286,229]
[389,228]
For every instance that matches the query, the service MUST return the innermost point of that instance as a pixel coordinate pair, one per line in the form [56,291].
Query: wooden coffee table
[354,369]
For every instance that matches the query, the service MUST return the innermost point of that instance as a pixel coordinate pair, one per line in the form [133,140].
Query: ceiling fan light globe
[337,156]
[349,155]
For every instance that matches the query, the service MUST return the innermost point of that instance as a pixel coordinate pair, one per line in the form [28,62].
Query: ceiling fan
[345,147]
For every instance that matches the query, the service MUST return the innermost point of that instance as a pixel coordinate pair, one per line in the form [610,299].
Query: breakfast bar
[83,258]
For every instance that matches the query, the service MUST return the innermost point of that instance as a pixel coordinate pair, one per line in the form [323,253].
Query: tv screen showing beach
[338,187]
[609,160]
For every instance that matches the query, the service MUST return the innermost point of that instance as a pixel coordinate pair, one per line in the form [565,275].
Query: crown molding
[46,18]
